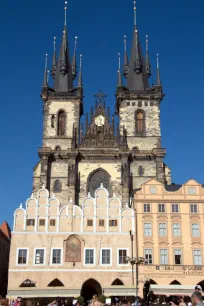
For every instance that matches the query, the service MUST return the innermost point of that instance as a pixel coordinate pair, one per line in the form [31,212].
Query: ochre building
[170,227]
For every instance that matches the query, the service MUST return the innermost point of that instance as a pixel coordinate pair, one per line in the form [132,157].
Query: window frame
[181,257]
[101,220]
[94,257]
[179,229]
[200,255]
[153,188]
[192,188]
[51,220]
[148,254]
[139,121]
[115,220]
[162,205]
[29,219]
[194,205]
[148,229]
[175,212]
[118,257]
[101,252]
[162,229]
[146,212]
[34,257]
[27,257]
[41,219]
[51,256]
[166,263]
[89,220]
[192,230]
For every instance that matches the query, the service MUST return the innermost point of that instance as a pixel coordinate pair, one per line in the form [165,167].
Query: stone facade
[170,219]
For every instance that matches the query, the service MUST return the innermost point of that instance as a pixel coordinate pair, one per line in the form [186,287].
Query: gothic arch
[117,282]
[27,283]
[175,282]
[89,288]
[147,287]
[55,283]
[61,123]
[57,186]
[96,178]
[140,119]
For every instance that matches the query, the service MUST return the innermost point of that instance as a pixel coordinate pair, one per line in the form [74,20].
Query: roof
[5,229]
[172,187]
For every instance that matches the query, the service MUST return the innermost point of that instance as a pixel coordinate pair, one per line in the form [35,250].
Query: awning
[179,290]
[120,291]
[13,294]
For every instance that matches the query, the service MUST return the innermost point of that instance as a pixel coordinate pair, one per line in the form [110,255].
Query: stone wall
[149,168]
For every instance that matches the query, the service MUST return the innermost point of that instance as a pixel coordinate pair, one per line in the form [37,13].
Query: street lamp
[137,262]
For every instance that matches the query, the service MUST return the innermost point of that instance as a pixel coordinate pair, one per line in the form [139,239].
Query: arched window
[55,283]
[96,178]
[140,123]
[61,123]
[57,186]
[28,283]
[117,282]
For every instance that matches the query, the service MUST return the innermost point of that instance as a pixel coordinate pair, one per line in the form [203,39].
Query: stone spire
[119,72]
[54,61]
[137,78]
[63,77]
[126,61]
[158,82]
[45,72]
[80,81]
[74,65]
[147,61]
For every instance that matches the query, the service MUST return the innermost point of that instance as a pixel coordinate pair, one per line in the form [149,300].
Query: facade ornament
[100,121]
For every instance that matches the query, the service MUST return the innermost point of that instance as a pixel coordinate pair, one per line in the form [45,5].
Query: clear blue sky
[27,28]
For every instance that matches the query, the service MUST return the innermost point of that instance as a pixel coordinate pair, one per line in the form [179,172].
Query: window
[61,123]
[191,190]
[56,257]
[153,190]
[197,258]
[30,222]
[140,123]
[161,208]
[57,186]
[140,171]
[122,254]
[175,208]
[162,229]
[176,229]
[101,222]
[177,256]
[42,222]
[113,222]
[89,257]
[22,256]
[140,104]
[39,257]
[195,230]
[163,256]
[89,222]
[106,256]
[147,229]
[148,256]
[194,208]
[52,222]
[146,208]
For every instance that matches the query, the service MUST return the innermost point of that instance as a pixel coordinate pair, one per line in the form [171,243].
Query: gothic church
[75,159]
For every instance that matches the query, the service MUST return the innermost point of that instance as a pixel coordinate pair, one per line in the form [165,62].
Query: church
[75,231]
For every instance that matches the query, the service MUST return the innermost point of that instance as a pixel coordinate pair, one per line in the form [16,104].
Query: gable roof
[5,229]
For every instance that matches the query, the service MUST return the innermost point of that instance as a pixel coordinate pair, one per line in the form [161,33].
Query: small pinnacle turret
[74,65]
[80,82]
[119,72]
[158,82]
[126,62]
[45,72]
[54,61]
[147,61]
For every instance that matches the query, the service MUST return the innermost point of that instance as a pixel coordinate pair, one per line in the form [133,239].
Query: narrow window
[101,222]
[106,257]
[163,256]
[147,229]
[57,186]
[42,222]
[89,222]
[56,256]
[113,222]
[148,256]
[30,222]
[194,208]
[89,256]
[195,230]
[162,229]
[39,256]
[197,257]
[61,123]
[22,256]
[140,171]
[52,222]
[175,208]
[146,208]
[140,123]
[176,229]
[178,257]
[161,208]
[122,257]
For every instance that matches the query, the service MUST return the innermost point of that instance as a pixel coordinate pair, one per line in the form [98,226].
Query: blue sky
[27,28]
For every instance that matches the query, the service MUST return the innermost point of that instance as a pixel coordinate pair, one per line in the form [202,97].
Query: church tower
[138,108]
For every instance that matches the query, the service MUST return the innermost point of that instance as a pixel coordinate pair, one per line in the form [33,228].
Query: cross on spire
[100,97]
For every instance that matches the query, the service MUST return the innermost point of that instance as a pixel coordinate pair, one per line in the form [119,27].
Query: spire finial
[80,72]
[45,72]
[55,44]
[126,62]
[119,74]
[48,75]
[65,13]
[148,66]
[125,43]
[54,61]
[135,14]
[119,62]
[74,65]
[46,58]
[158,72]
[147,43]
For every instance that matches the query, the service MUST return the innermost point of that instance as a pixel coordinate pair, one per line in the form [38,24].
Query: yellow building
[170,226]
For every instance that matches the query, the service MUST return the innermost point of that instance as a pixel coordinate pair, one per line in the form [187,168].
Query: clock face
[100,120]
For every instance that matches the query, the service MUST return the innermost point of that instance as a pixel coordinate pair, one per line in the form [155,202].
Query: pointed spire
[135,15]
[63,78]
[138,64]
[74,66]
[119,73]
[148,66]
[45,72]
[126,62]
[158,72]
[54,61]
[80,73]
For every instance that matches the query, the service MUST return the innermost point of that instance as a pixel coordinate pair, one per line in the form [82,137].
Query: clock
[100,120]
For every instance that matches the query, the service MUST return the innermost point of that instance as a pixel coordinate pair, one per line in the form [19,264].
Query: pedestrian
[196,299]
[182,303]
[95,301]
[18,301]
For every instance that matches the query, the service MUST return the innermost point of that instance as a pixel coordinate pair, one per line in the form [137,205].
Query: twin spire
[63,71]
[137,71]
